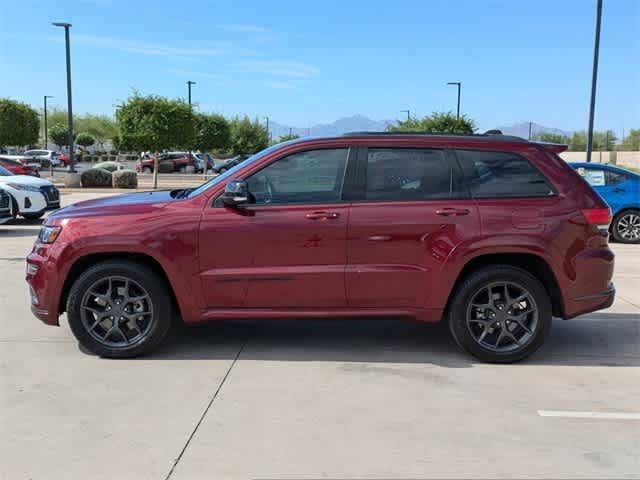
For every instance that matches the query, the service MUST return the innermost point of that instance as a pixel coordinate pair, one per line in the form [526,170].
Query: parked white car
[5,207]
[42,157]
[30,196]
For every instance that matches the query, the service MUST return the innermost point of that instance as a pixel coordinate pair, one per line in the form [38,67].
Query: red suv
[168,163]
[492,233]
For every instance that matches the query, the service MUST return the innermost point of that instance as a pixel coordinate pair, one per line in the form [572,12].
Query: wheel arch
[84,262]
[531,263]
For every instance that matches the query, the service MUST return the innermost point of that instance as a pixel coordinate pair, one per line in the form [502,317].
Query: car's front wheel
[33,216]
[626,226]
[147,170]
[119,309]
[500,314]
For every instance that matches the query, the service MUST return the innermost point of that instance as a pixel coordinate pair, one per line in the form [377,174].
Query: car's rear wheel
[626,226]
[500,314]
[147,170]
[182,169]
[223,169]
[119,309]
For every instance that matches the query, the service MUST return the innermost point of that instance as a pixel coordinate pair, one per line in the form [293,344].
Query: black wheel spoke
[502,316]
[117,311]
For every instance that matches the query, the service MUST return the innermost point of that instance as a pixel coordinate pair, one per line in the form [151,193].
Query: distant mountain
[522,130]
[355,123]
[360,123]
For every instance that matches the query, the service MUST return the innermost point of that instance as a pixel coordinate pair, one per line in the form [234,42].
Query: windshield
[6,173]
[232,171]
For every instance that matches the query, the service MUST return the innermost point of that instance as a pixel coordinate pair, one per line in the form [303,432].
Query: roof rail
[488,135]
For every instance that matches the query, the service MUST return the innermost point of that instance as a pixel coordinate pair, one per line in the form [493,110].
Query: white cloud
[281,69]
[281,85]
[244,28]
[154,49]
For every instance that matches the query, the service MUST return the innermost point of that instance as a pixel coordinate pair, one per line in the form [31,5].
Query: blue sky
[303,63]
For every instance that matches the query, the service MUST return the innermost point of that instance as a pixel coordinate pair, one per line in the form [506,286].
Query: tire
[182,169]
[626,226]
[477,329]
[147,170]
[223,169]
[154,327]
[14,207]
[32,216]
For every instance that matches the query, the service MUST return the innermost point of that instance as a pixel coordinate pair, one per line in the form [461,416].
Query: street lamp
[46,134]
[408,112]
[594,78]
[268,132]
[189,83]
[459,84]
[66,27]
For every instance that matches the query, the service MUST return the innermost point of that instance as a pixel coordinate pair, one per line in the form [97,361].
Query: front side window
[407,174]
[501,174]
[313,176]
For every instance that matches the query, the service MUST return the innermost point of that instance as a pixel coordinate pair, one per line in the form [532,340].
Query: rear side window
[407,174]
[501,174]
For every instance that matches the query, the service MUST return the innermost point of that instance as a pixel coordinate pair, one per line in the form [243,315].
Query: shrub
[109,166]
[124,179]
[96,177]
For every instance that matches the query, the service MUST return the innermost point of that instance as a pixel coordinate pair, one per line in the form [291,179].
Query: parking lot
[317,399]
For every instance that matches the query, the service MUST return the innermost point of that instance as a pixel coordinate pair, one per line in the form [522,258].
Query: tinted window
[501,174]
[614,178]
[305,177]
[407,174]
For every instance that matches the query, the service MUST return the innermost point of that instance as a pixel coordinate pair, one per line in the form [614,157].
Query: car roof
[492,137]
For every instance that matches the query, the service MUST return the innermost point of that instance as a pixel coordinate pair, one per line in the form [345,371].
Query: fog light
[32,269]
[34,296]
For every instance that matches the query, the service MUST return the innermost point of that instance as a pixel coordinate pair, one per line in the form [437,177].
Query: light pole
[408,112]
[46,134]
[189,83]
[72,162]
[268,132]
[594,78]
[530,125]
[459,84]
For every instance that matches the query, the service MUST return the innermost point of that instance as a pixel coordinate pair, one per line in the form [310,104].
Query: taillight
[599,218]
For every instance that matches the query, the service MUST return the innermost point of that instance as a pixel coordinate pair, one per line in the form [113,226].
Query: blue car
[620,188]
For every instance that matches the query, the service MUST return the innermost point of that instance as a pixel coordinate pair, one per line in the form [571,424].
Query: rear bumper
[591,303]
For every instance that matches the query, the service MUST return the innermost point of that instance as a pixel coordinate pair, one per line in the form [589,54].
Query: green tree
[100,127]
[578,142]
[212,132]
[59,134]
[287,137]
[19,123]
[437,122]
[553,138]
[604,141]
[154,123]
[631,142]
[85,139]
[248,136]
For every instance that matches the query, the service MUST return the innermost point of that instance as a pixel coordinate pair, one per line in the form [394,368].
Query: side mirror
[236,193]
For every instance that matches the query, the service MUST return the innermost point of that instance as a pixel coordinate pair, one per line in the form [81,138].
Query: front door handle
[452,211]
[321,215]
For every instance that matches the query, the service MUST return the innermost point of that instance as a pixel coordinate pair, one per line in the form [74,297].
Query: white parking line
[598,415]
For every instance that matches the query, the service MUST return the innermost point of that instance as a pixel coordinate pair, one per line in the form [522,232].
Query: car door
[409,218]
[286,249]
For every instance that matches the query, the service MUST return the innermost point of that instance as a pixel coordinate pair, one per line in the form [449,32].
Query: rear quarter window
[501,175]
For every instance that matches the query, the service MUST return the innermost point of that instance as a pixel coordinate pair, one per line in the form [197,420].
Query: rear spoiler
[552,147]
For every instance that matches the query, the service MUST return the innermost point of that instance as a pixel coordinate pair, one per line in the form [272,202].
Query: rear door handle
[321,215]
[452,211]
[618,190]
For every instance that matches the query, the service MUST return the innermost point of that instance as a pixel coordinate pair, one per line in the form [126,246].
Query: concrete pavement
[321,399]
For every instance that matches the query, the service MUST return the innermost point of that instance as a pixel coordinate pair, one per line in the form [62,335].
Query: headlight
[29,188]
[49,233]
